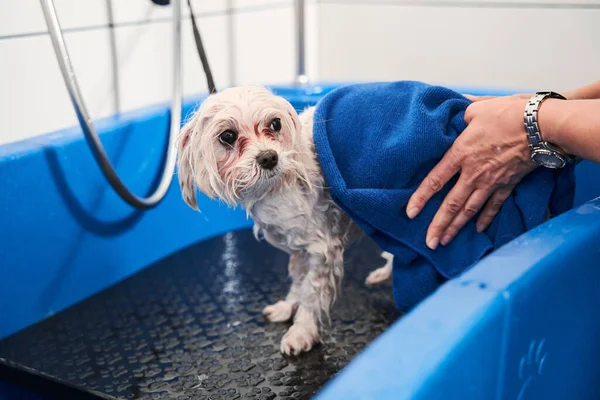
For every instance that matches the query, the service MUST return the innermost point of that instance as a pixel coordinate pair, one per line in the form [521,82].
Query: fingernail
[433,243]
[446,239]
[412,212]
[480,228]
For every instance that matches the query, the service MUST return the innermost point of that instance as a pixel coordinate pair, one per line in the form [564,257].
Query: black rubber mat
[190,327]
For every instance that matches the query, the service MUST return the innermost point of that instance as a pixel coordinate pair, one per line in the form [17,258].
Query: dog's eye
[228,137]
[276,125]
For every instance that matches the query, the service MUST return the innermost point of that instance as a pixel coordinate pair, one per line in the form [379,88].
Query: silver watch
[542,153]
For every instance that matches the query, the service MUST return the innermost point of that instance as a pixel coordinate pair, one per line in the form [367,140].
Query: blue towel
[377,141]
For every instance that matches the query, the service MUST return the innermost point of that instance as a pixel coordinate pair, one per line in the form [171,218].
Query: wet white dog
[247,146]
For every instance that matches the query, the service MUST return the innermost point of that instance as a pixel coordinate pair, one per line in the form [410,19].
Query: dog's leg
[316,294]
[382,274]
[284,310]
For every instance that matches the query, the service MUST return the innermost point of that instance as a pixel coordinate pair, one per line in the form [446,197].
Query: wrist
[550,121]
[545,150]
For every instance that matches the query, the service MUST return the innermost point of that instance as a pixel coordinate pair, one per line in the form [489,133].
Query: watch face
[548,160]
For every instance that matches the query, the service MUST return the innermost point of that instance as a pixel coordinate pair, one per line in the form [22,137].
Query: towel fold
[377,141]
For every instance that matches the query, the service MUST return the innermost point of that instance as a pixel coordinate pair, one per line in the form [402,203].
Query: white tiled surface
[34,99]
[458,42]
[312,38]
[128,11]
[265,46]
[144,54]
[79,14]
[215,38]
[90,55]
[139,10]
[25,16]
[471,3]
[259,3]
[207,6]
[460,46]
[21,16]
[30,89]
[146,62]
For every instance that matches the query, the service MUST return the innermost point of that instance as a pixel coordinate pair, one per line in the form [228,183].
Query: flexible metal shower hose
[85,121]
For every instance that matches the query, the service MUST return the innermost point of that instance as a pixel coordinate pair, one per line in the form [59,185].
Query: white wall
[34,100]
[514,44]
[528,44]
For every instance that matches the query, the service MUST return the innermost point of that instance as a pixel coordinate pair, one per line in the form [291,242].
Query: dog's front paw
[279,312]
[383,274]
[299,338]
[379,276]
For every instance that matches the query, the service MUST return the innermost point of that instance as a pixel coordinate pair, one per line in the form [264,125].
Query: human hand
[523,96]
[492,156]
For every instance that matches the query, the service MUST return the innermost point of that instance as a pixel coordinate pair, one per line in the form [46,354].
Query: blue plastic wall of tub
[65,234]
[521,324]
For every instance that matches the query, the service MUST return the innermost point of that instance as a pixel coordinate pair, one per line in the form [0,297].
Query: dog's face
[239,146]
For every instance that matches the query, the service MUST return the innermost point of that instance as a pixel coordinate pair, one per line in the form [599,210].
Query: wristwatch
[542,153]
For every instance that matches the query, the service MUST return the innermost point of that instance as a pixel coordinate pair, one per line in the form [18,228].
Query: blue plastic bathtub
[522,324]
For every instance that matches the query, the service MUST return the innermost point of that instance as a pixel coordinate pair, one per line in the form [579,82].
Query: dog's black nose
[267,159]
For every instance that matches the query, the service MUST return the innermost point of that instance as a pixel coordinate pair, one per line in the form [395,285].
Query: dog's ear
[295,118]
[192,169]
[185,166]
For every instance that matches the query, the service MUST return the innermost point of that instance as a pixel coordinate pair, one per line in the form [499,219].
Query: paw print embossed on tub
[531,368]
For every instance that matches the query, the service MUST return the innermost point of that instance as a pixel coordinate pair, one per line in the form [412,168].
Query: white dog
[247,146]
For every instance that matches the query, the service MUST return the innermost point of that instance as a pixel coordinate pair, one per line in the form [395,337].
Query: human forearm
[573,125]
[587,92]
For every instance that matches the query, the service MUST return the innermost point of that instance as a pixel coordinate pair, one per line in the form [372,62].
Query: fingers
[453,204]
[478,98]
[492,207]
[481,98]
[471,207]
[524,96]
[448,166]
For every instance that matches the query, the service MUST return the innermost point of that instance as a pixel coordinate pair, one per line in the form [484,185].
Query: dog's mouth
[268,179]
[272,175]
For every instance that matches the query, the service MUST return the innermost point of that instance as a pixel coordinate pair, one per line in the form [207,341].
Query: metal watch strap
[531,116]
[543,153]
